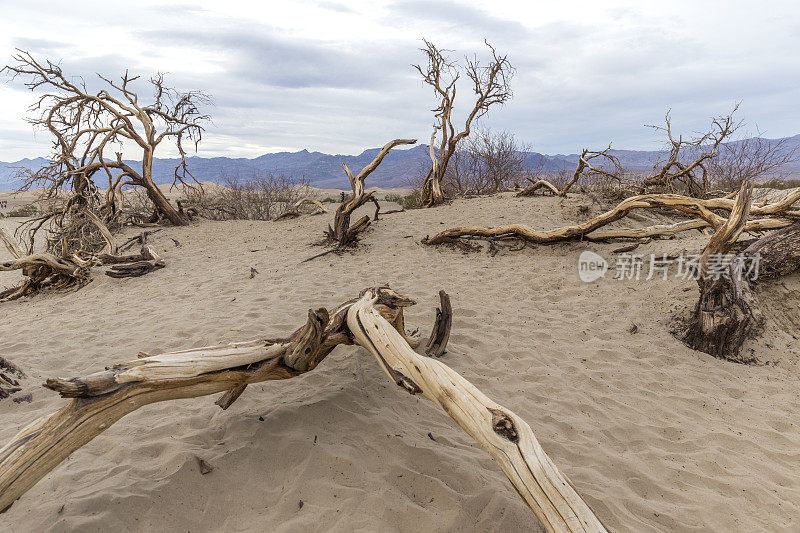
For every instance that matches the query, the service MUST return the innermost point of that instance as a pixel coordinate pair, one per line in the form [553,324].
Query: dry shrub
[488,162]
[260,197]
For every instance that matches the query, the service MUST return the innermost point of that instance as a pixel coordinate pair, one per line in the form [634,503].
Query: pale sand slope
[654,435]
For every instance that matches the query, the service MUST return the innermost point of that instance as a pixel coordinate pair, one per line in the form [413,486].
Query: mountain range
[398,168]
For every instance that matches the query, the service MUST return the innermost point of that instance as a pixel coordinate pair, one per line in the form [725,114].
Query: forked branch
[373,321]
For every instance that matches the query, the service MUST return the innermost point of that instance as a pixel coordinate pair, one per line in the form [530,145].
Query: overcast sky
[336,76]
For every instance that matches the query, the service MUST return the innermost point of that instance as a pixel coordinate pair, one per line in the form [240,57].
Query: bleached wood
[700,209]
[374,321]
[507,438]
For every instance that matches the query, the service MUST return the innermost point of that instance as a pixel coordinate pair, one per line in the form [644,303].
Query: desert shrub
[24,211]
[778,184]
[751,159]
[488,162]
[413,200]
[260,197]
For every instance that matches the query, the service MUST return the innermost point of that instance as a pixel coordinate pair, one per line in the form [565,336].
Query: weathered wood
[437,342]
[775,215]
[374,321]
[294,210]
[342,232]
[101,399]
[10,374]
[541,184]
[724,314]
[504,435]
[728,312]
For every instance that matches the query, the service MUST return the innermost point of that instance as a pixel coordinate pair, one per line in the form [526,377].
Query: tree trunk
[342,232]
[728,312]
[156,195]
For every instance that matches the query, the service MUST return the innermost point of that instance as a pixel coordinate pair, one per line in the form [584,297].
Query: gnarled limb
[342,232]
[10,374]
[294,210]
[43,270]
[503,434]
[541,184]
[133,265]
[374,321]
[776,215]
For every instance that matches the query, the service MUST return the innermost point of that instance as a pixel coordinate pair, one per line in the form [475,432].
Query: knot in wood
[504,426]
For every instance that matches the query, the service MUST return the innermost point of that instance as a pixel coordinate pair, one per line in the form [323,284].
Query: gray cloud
[580,81]
[457,16]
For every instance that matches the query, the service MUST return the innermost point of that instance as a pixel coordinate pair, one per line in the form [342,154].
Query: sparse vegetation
[25,211]
[259,197]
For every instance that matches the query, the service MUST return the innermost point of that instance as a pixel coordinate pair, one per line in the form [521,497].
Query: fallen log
[703,211]
[294,210]
[504,435]
[374,321]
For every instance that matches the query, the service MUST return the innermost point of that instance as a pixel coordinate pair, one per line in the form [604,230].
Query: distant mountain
[324,170]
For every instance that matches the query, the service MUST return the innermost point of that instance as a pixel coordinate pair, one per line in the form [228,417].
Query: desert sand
[655,436]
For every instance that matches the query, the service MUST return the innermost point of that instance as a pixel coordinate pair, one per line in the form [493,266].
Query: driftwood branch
[504,435]
[374,321]
[437,343]
[342,232]
[10,374]
[703,211]
[294,210]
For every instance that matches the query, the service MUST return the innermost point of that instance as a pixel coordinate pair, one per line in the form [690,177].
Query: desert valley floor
[653,435]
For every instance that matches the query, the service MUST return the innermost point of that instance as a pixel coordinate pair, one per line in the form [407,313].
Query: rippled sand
[654,435]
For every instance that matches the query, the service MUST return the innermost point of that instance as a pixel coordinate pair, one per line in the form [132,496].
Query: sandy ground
[654,435]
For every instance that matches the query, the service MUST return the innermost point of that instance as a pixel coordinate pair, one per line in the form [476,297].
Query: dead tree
[490,84]
[342,233]
[69,270]
[691,170]
[584,168]
[10,374]
[728,312]
[373,321]
[86,125]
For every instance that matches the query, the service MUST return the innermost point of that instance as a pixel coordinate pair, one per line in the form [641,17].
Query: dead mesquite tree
[490,84]
[70,270]
[87,126]
[373,321]
[584,168]
[342,232]
[728,312]
[687,161]
[703,213]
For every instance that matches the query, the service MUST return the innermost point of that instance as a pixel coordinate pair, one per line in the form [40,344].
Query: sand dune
[653,435]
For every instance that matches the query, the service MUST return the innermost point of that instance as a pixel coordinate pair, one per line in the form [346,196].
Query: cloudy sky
[336,76]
